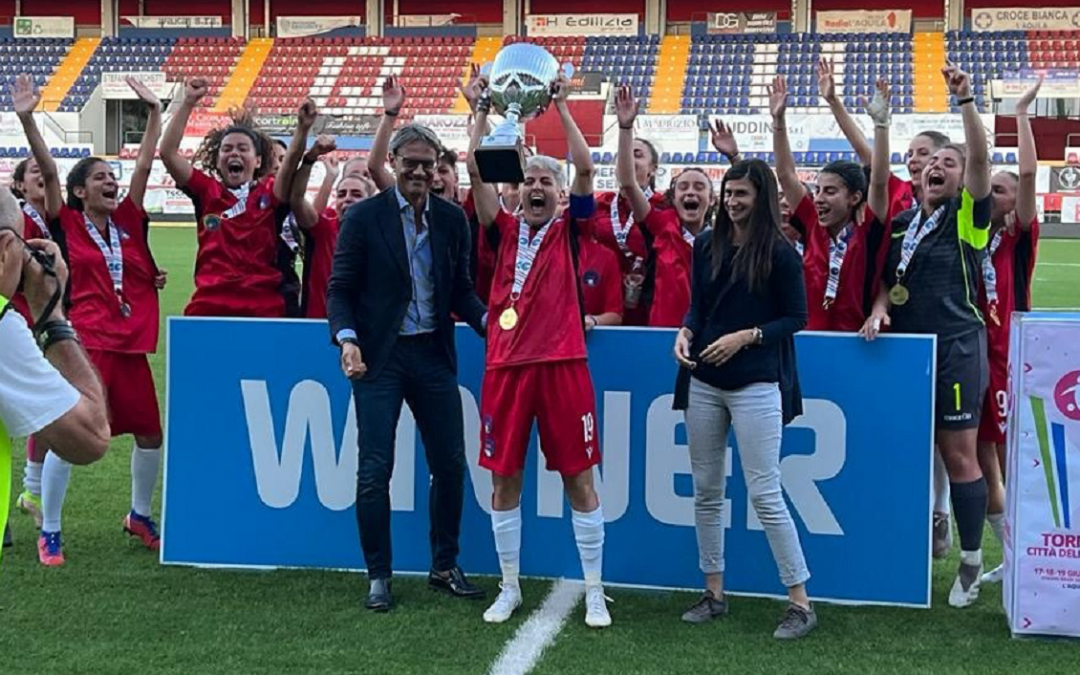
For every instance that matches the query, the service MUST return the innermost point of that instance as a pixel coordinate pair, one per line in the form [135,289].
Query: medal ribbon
[623,231]
[989,273]
[30,211]
[241,194]
[914,236]
[526,255]
[289,233]
[113,252]
[837,250]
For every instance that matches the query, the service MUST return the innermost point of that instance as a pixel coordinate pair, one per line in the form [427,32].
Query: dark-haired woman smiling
[747,302]
[931,286]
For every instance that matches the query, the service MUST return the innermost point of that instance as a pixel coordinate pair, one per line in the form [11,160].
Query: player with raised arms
[114,308]
[843,250]
[1007,274]
[319,230]
[931,286]
[668,232]
[243,267]
[536,367]
[36,184]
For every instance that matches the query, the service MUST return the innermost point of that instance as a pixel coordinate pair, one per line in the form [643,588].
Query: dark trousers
[418,373]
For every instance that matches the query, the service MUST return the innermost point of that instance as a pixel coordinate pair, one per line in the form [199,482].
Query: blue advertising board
[261,427]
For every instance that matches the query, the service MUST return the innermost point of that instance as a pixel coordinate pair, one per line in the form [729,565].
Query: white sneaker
[596,612]
[501,610]
[965,590]
[995,575]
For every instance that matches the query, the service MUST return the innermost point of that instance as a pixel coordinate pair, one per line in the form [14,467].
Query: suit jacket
[371,284]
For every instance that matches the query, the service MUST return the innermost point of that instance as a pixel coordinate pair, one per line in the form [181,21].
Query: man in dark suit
[401,269]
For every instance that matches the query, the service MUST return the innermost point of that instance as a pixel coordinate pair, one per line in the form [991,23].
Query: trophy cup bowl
[520,82]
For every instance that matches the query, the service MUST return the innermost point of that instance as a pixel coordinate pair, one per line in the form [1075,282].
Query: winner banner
[270,434]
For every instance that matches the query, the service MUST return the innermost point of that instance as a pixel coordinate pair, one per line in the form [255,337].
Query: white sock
[589,534]
[55,474]
[997,525]
[971,557]
[144,473]
[32,477]
[941,485]
[507,528]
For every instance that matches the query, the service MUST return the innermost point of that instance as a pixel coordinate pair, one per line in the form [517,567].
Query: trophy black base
[501,163]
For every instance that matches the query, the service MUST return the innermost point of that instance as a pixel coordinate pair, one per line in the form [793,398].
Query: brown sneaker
[705,609]
[797,622]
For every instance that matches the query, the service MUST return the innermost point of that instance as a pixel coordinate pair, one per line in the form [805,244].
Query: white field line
[524,650]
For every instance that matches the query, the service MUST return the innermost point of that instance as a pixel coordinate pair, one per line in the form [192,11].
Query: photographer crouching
[47,385]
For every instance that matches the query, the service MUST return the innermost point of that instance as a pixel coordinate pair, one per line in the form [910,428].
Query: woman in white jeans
[747,301]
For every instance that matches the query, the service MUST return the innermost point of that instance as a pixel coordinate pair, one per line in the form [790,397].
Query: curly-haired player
[242,267]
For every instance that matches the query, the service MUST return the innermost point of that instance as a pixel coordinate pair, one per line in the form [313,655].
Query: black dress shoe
[454,583]
[380,598]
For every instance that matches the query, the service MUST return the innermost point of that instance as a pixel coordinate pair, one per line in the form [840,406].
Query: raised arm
[393,100]
[1026,211]
[148,146]
[485,197]
[306,214]
[724,141]
[326,188]
[176,164]
[25,99]
[585,172]
[852,132]
[626,109]
[785,161]
[305,119]
[977,169]
[880,111]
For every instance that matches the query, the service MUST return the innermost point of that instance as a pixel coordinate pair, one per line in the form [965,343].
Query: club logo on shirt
[591,278]
[211,221]
[264,201]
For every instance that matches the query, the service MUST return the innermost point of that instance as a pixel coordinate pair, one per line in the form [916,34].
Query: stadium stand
[37,57]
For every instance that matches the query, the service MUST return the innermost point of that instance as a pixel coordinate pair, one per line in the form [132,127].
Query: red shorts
[995,407]
[130,392]
[559,396]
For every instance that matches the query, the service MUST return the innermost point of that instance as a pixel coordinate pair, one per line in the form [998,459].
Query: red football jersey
[602,225]
[31,230]
[483,253]
[858,282]
[95,309]
[673,256]
[601,279]
[239,267]
[549,326]
[1014,266]
[901,197]
[319,243]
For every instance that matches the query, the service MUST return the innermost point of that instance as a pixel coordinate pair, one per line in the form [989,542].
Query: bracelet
[965,100]
[629,128]
[391,113]
[57,330]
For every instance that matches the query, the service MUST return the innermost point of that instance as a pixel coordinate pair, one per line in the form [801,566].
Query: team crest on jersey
[591,278]
[211,221]
[264,201]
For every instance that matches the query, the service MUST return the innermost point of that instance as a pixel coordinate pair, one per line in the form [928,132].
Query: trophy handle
[568,69]
[485,69]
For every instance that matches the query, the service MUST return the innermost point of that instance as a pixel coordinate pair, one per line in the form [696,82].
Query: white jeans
[755,411]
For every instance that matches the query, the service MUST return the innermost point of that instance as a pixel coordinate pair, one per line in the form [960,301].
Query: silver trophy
[520,83]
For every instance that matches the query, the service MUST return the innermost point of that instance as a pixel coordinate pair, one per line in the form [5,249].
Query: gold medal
[898,295]
[508,319]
